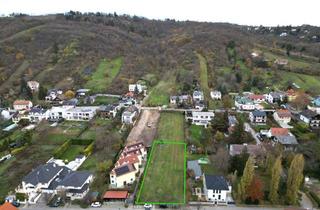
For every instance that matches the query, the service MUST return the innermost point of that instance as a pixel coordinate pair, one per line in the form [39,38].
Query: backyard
[104,75]
[167,158]
[171,126]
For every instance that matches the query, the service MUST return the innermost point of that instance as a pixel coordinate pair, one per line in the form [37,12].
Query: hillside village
[113,134]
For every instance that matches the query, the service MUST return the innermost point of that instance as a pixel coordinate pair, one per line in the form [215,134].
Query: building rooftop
[194,165]
[214,182]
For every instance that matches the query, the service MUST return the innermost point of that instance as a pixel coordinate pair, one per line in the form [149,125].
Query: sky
[244,12]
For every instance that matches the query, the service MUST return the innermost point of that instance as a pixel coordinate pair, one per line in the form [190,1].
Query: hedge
[89,149]
[81,141]
[18,150]
[62,149]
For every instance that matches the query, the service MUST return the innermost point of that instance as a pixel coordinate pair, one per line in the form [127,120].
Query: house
[216,189]
[258,117]
[5,114]
[244,103]
[194,166]
[199,118]
[16,117]
[180,99]
[33,86]
[197,95]
[282,116]
[136,88]
[80,113]
[252,149]
[82,92]
[289,142]
[216,95]
[277,132]
[135,148]
[311,118]
[22,105]
[109,111]
[199,105]
[315,105]
[56,113]
[275,97]
[37,114]
[126,102]
[232,121]
[52,178]
[123,175]
[54,94]
[129,115]
[257,99]
[72,103]
[8,206]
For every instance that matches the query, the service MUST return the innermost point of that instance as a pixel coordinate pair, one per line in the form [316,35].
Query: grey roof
[276,94]
[37,110]
[194,165]
[214,182]
[83,189]
[107,108]
[308,113]
[197,93]
[287,140]
[75,179]
[258,113]
[43,174]
[71,102]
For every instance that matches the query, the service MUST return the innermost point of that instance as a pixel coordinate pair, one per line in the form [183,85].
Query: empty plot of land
[164,179]
[146,128]
[171,126]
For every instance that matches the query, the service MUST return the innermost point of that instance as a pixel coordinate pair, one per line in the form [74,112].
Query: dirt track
[146,127]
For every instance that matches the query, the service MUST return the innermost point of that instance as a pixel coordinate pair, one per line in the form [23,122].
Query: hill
[72,50]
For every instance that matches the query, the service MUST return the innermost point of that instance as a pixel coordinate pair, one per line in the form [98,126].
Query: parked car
[15,203]
[147,206]
[96,204]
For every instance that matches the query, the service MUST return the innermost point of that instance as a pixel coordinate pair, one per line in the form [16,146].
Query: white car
[147,206]
[96,205]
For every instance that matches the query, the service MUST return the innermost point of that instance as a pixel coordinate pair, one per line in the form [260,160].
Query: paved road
[252,132]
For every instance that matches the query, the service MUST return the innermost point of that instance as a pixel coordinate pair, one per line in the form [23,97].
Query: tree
[219,136]
[69,94]
[42,92]
[295,177]
[220,122]
[255,190]
[238,162]
[227,102]
[301,101]
[246,179]
[275,179]
[221,160]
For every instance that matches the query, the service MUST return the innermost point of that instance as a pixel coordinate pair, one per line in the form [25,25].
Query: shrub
[81,141]
[89,149]
[18,150]
[315,197]
[21,196]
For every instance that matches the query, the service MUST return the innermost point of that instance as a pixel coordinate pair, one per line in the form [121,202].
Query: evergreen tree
[295,177]
[246,179]
[275,179]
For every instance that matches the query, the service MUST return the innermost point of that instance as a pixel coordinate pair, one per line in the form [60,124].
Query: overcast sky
[248,12]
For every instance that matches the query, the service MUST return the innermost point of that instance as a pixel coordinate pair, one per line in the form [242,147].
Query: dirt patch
[146,127]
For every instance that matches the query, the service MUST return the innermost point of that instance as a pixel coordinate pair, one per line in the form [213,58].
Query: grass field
[160,94]
[104,75]
[171,126]
[72,152]
[103,100]
[164,177]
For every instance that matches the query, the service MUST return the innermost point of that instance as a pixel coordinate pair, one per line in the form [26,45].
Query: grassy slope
[104,75]
[171,127]
[166,159]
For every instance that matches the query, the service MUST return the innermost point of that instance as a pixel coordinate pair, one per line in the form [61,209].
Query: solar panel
[122,170]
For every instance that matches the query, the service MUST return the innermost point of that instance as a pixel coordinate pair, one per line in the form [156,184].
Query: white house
[123,175]
[129,115]
[198,95]
[244,103]
[282,116]
[37,114]
[22,105]
[5,114]
[216,189]
[33,85]
[216,95]
[80,113]
[53,94]
[199,118]
[274,97]
[180,99]
[136,87]
[56,113]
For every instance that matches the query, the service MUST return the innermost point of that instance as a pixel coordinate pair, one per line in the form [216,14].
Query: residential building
[216,95]
[72,103]
[123,175]
[80,113]
[82,92]
[199,105]
[33,86]
[54,95]
[282,116]
[258,117]
[199,118]
[6,114]
[8,206]
[109,111]
[130,115]
[126,102]
[37,114]
[22,105]
[197,95]
[194,166]
[315,105]
[311,118]
[275,97]
[216,189]
[244,103]
[136,88]
[257,99]
[284,137]
[56,113]
[180,99]
[252,149]
[277,132]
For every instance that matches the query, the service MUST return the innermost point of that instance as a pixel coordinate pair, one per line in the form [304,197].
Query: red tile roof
[279,131]
[283,113]
[21,102]
[116,195]
[7,206]
[291,92]
[132,159]
[256,97]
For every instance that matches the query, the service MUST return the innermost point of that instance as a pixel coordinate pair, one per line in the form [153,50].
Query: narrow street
[249,129]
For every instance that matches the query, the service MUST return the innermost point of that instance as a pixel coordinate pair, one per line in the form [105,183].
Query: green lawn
[204,75]
[164,177]
[104,75]
[103,100]
[171,126]
[72,152]
[160,94]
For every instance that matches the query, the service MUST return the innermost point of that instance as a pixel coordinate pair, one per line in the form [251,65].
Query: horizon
[247,12]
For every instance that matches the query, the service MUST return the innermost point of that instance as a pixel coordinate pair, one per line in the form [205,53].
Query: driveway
[253,133]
